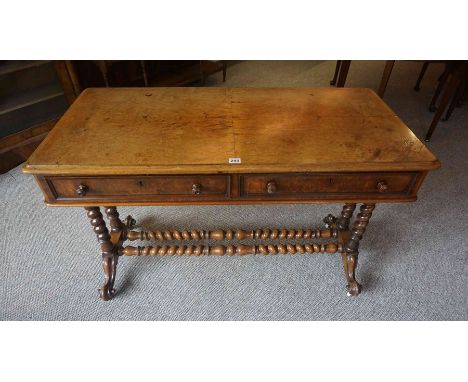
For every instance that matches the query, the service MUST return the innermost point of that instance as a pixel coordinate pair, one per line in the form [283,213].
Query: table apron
[227,189]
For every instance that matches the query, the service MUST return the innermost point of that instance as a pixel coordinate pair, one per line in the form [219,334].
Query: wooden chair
[454,79]
[341,73]
[342,69]
[103,66]
[337,71]
[205,68]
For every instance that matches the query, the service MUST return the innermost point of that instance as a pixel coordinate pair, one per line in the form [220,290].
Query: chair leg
[442,80]
[337,70]
[417,87]
[453,103]
[464,92]
[385,77]
[343,75]
[449,92]
[143,71]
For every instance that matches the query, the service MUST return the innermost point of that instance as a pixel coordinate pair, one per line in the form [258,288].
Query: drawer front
[230,188]
[170,187]
[280,186]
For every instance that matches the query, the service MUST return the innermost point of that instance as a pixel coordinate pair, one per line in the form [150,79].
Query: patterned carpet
[413,260]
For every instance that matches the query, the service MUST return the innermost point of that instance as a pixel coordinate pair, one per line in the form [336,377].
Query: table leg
[346,215]
[343,224]
[114,219]
[108,249]
[350,256]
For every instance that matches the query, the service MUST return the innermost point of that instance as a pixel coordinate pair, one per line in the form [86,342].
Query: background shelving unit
[35,94]
[32,98]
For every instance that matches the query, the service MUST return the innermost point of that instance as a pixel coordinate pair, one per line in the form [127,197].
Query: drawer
[158,187]
[303,185]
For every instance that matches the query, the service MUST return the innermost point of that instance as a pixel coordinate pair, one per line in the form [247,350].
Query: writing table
[181,146]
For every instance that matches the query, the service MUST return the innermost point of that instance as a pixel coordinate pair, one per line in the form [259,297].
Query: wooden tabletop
[110,131]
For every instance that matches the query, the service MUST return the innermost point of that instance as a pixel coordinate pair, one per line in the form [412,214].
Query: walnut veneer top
[196,130]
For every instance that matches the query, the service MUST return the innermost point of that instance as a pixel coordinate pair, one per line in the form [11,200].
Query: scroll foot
[106,294]
[108,249]
[353,288]
[109,264]
[350,255]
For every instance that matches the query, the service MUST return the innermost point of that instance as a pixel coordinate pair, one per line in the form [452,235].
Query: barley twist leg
[109,252]
[114,219]
[346,215]
[350,256]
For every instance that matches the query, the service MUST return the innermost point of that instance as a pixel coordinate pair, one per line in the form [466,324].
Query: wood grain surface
[144,131]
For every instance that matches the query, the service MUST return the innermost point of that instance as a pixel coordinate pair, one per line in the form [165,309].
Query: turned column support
[114,219]
[229,250]
[337,228]
[351,248]
[346,215]
[240,234]
[108,249]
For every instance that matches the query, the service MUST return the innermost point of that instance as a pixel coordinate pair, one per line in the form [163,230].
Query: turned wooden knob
[271,187]
[196,189]
[81,190]
[382,186]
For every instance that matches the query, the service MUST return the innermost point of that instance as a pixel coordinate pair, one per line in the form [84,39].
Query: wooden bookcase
[124,73]
[33,95]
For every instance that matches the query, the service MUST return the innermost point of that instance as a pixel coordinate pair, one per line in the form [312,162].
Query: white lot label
[234,160]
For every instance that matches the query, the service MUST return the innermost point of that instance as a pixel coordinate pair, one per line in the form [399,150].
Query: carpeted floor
[413,261]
